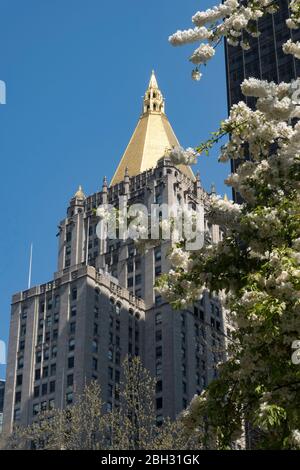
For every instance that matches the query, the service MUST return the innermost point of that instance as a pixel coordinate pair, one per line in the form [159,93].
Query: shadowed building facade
[101,305]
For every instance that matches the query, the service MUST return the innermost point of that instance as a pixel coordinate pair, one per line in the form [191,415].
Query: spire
[153,81]
[153,99]
[153,135]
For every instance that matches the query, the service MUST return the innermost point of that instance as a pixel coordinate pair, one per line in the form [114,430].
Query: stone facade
[102,306]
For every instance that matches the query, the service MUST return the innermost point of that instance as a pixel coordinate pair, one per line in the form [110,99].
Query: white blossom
[202,54]
[189,35]
[291,47]
[184,156]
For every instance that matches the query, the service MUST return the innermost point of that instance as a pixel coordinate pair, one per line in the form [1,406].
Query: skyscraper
[101,304]
[264,60]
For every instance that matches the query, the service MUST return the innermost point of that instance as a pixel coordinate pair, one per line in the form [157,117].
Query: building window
[158,369]
[96,311]
[70,380]
[36,409]
[18,397]
[37,375]
[52,386]
[71,362]
[157,254]
[38,357]
[117,376]
[158,352]
[74,293]
[44,389]
[130,282]
[17,414]
[72,327]
[158,335]
[19,380]
[95,328]
[138,279]
[158,318]
[45,372]
[69,398]
[159,386]
[73,311]
[46,354]
[108,407]
[51,404]
[95,364]
[23,330]
[130,267]
[43,406]
[55,335]
[24,314]
[184,387]
[95,347]
[159,403]
[110,355]
[53,369]
[138,293]
[71,344]
[157,271]
[110,373]
[118,358]
[54,352]
[36,391]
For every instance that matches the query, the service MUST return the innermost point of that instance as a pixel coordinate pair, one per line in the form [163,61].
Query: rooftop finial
[213,188]
[153,100]
[79,193]
[153,81]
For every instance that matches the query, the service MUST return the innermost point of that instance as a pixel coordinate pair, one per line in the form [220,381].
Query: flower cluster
[179,155]
[190,35]
[291,47]
[237,22]
[201,55]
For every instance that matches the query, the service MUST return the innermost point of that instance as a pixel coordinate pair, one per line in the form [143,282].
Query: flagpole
[30,267]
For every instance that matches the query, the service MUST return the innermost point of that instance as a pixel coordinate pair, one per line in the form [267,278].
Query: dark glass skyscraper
[264,60]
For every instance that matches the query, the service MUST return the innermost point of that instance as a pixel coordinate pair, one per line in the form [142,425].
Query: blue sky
[75,72]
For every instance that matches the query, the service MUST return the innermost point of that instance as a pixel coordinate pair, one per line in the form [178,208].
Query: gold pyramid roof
[152,137]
